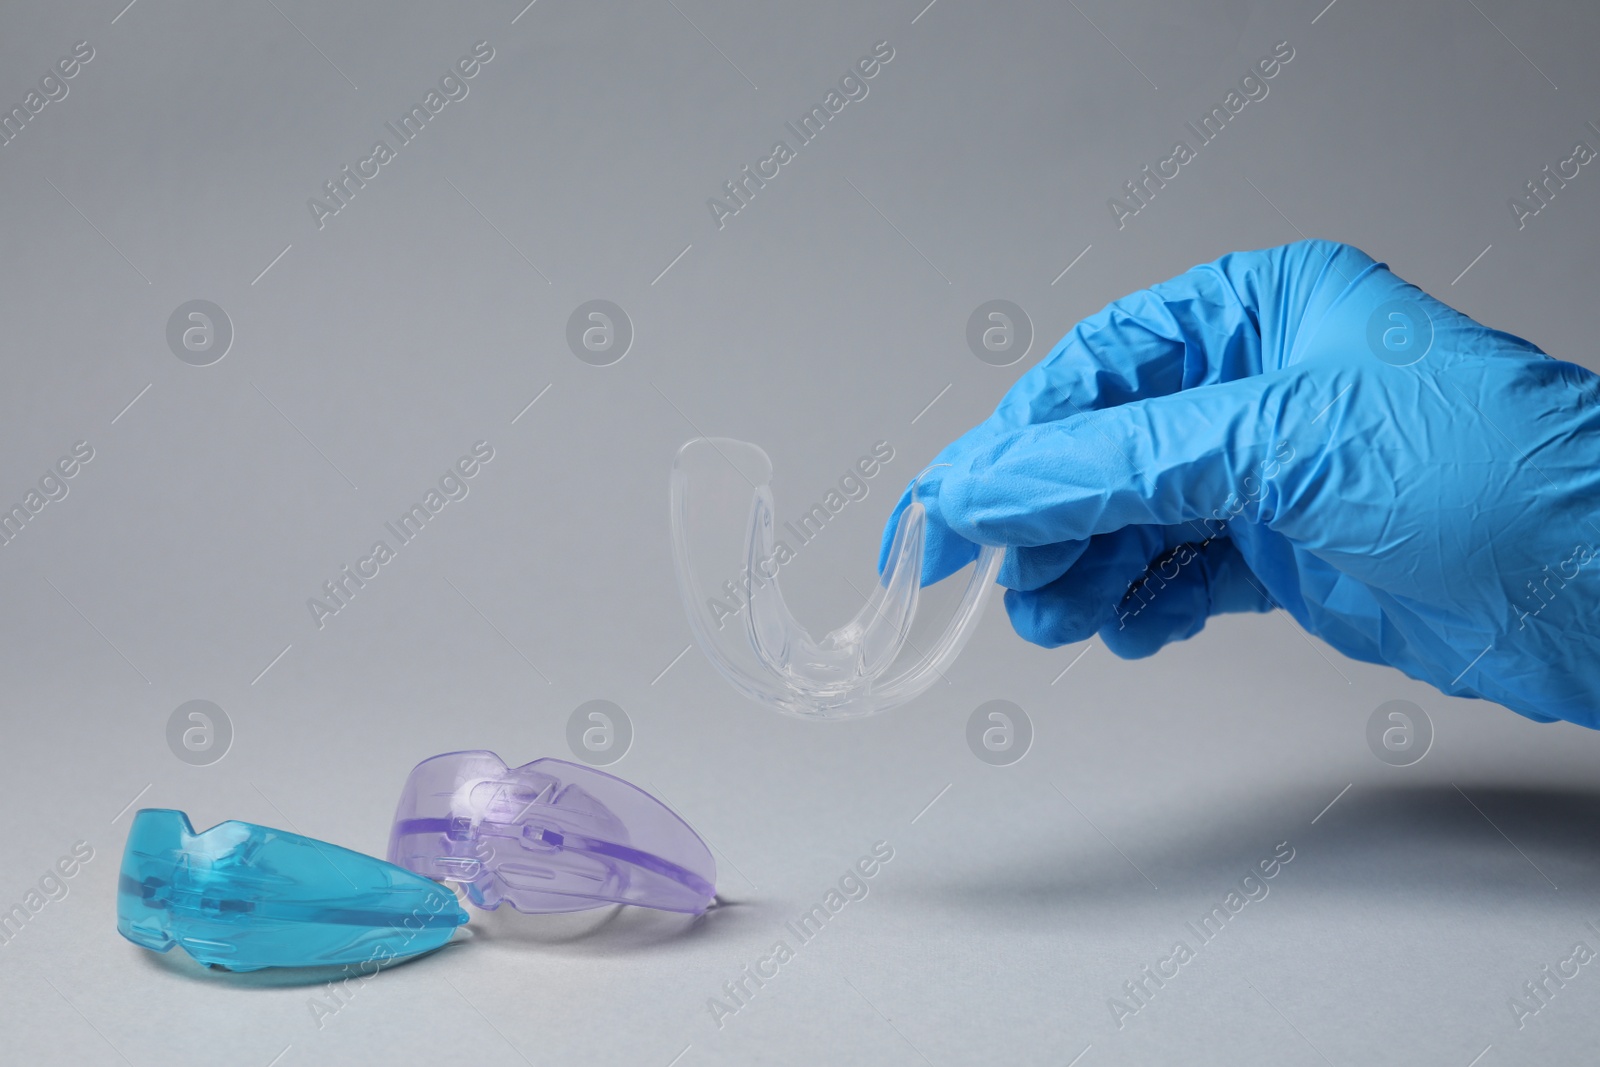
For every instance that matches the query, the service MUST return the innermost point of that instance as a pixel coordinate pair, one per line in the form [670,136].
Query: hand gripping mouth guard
[241,897]
[723,538]
[548,836]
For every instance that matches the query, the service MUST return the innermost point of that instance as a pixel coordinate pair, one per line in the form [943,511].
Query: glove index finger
[1187,458]
[943,551]
[1187,331]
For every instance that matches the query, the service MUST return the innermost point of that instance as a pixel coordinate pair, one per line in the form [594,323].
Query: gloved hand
[1297,428]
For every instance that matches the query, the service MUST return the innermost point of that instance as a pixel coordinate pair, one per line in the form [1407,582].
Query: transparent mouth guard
[728,555]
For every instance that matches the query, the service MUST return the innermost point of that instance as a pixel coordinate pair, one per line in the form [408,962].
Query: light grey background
[824,317]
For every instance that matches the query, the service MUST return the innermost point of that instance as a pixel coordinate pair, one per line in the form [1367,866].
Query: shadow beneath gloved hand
[1478,846]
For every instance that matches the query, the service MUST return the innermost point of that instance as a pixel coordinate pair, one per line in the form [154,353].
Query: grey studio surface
[360,335]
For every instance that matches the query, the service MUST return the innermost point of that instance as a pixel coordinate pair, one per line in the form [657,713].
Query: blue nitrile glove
[1297,428]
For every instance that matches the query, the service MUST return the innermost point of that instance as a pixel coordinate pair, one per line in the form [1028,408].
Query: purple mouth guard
[548,836]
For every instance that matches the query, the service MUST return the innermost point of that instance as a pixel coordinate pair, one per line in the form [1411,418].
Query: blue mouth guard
[242,897]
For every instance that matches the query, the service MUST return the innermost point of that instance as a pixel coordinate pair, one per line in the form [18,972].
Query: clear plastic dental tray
[728,557]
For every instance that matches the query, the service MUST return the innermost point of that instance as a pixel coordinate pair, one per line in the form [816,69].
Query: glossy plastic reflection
[547,836]
[727,557]
[243,897]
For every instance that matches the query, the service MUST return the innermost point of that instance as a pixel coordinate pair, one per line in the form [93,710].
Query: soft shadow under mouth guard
[547,836]
[242,897]
[727,557]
